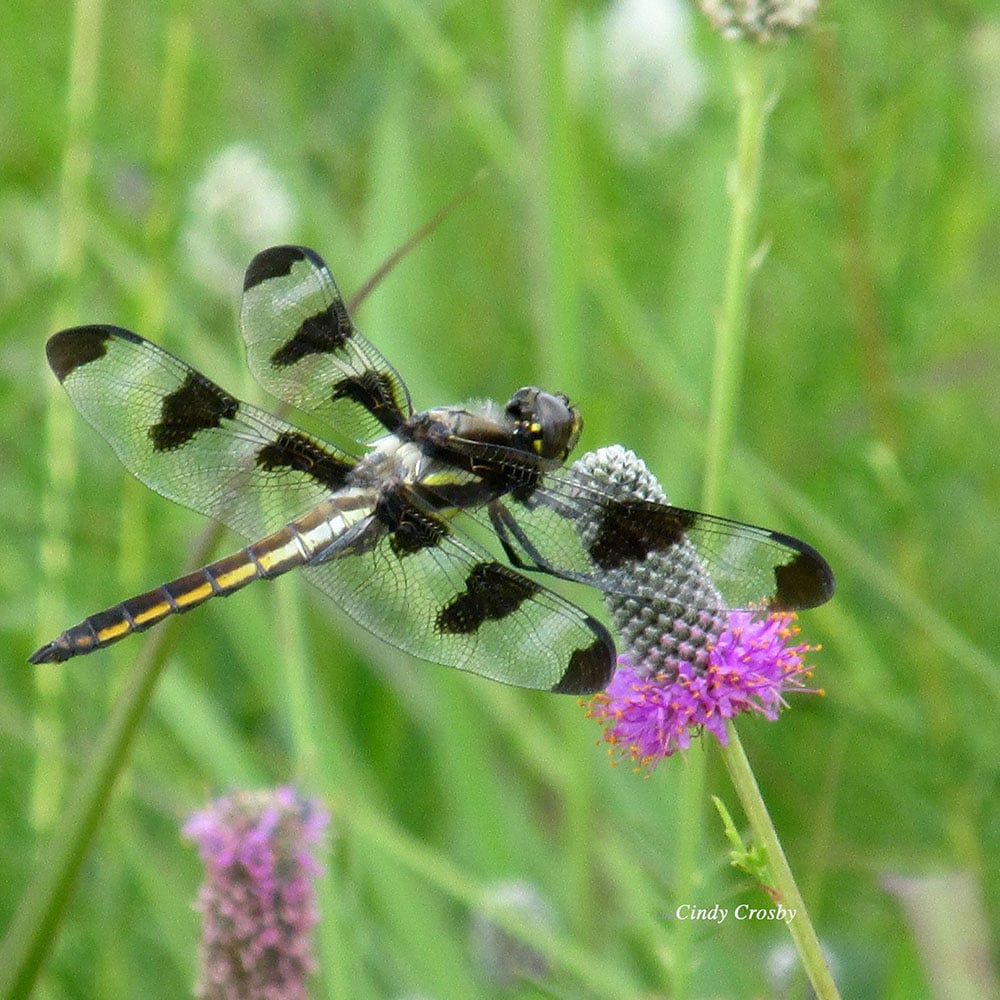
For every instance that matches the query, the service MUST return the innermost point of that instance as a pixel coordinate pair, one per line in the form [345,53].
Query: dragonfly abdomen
[263,560]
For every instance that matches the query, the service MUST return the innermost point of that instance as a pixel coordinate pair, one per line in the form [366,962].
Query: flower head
[760,20]
[637,57]
[239,204]
[690,665]
[750,666]
[257,898]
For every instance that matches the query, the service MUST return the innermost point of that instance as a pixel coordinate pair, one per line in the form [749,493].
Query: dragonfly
[441,532]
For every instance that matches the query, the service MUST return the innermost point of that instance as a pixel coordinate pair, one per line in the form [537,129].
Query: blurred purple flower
[257,899]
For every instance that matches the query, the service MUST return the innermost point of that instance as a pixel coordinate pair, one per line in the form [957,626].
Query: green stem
[537,35]
[689,836]
[782,879]
[299,701]
[754,109]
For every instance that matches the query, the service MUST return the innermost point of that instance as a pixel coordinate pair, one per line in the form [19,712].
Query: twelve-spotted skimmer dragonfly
[382,532]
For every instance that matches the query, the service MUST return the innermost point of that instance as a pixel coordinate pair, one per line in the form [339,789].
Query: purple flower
[750,666]
[257,898]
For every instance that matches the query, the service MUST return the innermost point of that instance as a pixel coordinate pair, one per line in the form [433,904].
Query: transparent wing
[444,598]
[188,439]
[571,526]
[303,347]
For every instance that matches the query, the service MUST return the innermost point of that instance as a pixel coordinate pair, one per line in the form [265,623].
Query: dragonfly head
[544,423]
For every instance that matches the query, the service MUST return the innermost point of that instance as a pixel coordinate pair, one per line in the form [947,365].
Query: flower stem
[782,879]
[755,102]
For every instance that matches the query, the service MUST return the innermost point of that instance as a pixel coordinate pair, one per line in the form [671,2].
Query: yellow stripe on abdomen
[194,596]
[151,615]
[114,631]
[232,577]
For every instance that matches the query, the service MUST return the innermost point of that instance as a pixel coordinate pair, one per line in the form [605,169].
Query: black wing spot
[324,333]
[589,669]
[805,582]
[73,348]
[276,262]
[416,533]
[629,531]
[375,391]
[410,529]
[292,450]
[196,406]
[492,592]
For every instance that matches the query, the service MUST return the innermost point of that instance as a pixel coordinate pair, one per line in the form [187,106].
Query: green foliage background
[868,423]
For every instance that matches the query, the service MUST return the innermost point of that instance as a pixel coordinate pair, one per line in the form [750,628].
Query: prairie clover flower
[637,58]
[684,670]
[749,667]
[257,898]
[760,20]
